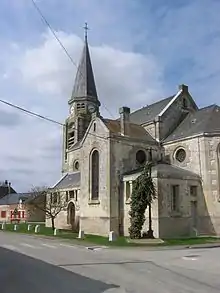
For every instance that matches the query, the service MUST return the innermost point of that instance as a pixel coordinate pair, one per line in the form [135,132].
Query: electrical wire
[59,123]
[52,31]
[118,140]
[60,43]
[31,113]
[69,56]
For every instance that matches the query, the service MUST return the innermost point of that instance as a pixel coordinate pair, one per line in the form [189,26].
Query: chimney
[184,88]
[125,119]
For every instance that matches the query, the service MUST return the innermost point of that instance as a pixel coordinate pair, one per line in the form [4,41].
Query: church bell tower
[83,103]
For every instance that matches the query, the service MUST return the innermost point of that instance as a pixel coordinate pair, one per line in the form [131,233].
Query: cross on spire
[86,30]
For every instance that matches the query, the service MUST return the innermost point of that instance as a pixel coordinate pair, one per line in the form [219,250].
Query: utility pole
[8,184]
[150,232]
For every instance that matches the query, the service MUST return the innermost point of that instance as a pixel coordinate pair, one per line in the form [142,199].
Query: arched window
[141,157]
[76,165]
[95,174]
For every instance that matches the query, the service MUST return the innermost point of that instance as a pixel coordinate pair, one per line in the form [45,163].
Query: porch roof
[68,181]
[164,170]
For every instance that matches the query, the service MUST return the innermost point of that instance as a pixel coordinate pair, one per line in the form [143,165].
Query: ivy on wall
[143,193]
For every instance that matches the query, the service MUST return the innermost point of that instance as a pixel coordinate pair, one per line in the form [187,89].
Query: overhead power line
[91,134]
[59,41]
[63,47]
[59,123]
[31,113]
[52,31]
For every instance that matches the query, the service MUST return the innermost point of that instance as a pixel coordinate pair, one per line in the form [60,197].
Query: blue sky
[141,51]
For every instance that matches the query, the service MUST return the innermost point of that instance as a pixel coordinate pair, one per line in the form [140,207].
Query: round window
[141,157]
[180,155]
[76,165]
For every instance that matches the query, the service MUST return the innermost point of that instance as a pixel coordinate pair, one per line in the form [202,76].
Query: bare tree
[48,200]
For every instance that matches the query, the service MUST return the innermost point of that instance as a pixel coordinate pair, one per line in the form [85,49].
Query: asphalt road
[20,273]
[69,268]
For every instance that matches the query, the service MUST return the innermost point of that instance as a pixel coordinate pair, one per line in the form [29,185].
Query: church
[102,158]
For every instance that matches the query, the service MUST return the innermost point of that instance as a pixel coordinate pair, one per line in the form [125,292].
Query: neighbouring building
[6,188]
[102,158]
[18,207]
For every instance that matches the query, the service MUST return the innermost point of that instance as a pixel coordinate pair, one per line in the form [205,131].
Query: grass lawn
[100,240]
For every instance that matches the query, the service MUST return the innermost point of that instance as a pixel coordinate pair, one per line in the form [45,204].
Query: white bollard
[15,227]
[37,229]
[55,232]
[3,226]
[29,227]
[112,236]
[81,234]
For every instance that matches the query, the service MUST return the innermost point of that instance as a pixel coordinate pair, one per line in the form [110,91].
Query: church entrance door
[72,215]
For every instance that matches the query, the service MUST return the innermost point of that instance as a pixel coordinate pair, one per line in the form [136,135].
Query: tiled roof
[13,198]
[68,181]
[4,190]
[135,131]
[84,82]
[163,170]
[205,120]
[148,113]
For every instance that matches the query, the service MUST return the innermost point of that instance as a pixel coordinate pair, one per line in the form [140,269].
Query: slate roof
[135,130]
[164,170]
[69,180]
[84,85]
[13,198]
[4,190]
[205,120]
[148,113]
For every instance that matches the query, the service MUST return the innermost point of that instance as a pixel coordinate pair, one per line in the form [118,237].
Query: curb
[94,247]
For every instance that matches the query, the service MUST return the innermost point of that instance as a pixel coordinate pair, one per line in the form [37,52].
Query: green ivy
[143,193]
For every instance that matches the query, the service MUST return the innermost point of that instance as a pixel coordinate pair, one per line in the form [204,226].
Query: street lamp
[150,232]
[8,184]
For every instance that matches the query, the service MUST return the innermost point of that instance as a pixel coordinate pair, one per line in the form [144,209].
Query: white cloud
[121,77]
[32,151]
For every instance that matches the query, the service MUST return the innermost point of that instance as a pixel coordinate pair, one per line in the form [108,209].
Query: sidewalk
[157,245]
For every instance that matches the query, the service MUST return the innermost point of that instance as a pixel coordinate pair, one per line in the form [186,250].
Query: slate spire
[84,86]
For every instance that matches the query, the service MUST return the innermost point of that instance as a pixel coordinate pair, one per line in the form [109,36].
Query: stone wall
[167,223]
[202,158]
[123,159]
[177,223]
[171,118]
[194,149]
[151,129]
[61,219]
[211,182]
[128,183]
[94,214]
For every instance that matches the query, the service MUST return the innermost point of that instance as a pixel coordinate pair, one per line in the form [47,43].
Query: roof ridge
[207,107]
[210,116]
[157,102]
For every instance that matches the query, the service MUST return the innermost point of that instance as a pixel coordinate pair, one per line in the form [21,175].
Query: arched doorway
[71,215]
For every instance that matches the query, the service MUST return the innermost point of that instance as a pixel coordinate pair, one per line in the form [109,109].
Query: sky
[140,50]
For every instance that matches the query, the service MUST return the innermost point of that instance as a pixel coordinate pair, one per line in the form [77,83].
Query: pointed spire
[85,82]
[86,31]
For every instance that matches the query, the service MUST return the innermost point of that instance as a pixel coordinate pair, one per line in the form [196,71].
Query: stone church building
[102,158]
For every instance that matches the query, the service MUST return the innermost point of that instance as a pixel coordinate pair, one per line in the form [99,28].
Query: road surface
[30,264]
